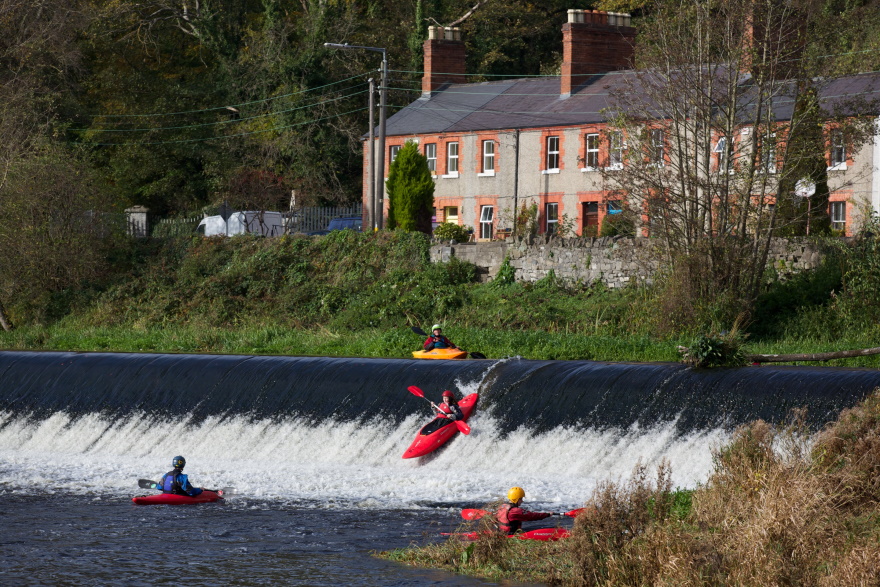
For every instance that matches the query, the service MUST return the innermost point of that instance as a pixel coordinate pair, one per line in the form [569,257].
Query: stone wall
[616,261]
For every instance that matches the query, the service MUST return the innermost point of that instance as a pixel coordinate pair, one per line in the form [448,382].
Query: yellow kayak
[441,354]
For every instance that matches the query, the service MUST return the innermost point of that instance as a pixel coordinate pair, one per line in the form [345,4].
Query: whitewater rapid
[337,464]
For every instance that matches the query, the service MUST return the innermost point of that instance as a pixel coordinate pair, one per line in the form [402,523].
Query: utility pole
[371,164]
[379,178]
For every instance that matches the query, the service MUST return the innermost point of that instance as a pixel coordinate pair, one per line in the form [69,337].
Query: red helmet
[448,394]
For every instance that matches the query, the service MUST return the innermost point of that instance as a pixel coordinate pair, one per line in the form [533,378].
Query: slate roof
[530,103]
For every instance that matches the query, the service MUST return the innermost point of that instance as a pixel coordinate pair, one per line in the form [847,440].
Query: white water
[337,464]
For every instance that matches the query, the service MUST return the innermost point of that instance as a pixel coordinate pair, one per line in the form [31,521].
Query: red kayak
[542,534]
[437,432]
[206,496]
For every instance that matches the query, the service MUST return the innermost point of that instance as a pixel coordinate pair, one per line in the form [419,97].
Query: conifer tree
[410,191]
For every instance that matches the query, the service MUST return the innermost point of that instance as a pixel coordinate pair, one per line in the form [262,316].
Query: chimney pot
[444,58]
[590,45]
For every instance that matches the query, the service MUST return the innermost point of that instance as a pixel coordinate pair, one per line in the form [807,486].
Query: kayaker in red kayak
[437,340]
[449,407]
[176,482]
[510,516]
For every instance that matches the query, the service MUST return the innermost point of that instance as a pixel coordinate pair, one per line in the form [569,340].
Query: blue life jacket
[177,483]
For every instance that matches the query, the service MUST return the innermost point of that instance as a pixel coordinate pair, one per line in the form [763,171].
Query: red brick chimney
[594,41]
[444,58]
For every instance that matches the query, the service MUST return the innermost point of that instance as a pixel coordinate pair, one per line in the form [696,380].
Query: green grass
[351,294]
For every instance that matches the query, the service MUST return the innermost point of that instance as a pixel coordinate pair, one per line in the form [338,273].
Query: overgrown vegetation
[781,507]
[356,294]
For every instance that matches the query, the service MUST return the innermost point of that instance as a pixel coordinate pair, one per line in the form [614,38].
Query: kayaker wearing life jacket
[437,340]
[510,516]
[449,407]
[176,482]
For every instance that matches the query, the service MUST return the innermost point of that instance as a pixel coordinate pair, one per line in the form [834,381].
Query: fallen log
[812,356]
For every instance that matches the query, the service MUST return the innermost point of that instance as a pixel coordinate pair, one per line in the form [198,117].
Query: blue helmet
[178,462]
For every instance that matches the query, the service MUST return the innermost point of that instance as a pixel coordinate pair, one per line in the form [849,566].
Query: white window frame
[838,151]
[452,156]
[591,152]
[551,158]
[551,221]
[838,215]
[393,150]
[768,154]
[658,147]
[488,160]
[487,217]
[724,155]
[431,156]
[616,147]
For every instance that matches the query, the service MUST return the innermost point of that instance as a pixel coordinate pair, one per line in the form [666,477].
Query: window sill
[588,169]
[549,171]
[450,175]
[486,174]
[838,167]
[614,168]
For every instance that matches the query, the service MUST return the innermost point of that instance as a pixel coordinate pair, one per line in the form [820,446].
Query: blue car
[346,222]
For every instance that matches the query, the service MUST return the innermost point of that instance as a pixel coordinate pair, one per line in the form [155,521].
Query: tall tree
[714,125]
[410,191]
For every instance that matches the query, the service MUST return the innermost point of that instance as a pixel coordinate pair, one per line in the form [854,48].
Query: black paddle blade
[477,356]
[418,330]
[147,484]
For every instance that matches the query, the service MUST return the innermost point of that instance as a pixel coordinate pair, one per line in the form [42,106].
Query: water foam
[332,463]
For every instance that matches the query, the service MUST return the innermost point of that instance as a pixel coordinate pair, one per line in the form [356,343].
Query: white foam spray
[338,464]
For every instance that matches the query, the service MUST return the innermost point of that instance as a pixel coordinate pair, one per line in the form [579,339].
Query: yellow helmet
[515,494]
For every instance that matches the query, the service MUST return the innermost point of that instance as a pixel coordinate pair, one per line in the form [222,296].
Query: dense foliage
[410,191]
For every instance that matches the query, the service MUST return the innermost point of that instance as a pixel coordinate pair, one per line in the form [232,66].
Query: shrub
[618,225]
[448,231]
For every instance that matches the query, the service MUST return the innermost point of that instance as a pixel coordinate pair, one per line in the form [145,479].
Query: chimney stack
[444,58]
[594,41]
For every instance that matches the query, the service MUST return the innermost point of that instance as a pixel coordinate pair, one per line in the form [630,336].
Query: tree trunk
[813,356]
[4,323]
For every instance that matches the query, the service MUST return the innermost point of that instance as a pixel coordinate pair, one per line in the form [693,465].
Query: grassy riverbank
[350,294]
[777,510]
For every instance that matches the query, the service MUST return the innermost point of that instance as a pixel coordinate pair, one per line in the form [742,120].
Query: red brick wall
[595,47]
[444,62]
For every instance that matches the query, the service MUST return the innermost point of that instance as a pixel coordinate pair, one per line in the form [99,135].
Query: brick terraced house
[495,145]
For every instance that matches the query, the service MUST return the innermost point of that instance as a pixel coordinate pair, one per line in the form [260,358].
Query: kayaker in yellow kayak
[437,340]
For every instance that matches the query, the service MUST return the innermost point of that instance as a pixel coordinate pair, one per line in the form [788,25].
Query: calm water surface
[75,540]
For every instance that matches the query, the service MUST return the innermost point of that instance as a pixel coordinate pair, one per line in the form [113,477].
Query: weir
[331,430]
[540,395]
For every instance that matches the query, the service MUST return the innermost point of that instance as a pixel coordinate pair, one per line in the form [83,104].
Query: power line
[226,107]
[243,134]
[220,122]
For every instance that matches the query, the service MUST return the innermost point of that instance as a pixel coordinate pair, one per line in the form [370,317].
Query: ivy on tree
[410,191]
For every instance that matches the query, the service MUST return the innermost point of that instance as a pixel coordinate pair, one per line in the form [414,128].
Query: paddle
[475,514]
[147,484]
[462,427]
[418,330]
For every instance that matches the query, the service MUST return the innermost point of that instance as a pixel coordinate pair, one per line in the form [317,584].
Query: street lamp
[378,210]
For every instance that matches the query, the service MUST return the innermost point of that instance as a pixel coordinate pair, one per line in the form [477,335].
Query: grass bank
[778,509]
[356,294]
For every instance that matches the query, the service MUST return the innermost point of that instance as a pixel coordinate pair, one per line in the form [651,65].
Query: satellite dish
[805,188]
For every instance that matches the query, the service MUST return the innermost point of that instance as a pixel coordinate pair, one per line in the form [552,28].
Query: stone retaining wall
[616,261]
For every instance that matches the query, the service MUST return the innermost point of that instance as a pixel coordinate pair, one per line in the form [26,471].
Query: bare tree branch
[468,14]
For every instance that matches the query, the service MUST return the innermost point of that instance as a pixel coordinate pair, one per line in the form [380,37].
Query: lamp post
[379,175]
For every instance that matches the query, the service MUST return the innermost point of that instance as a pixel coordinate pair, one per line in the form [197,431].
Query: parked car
[354,223]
